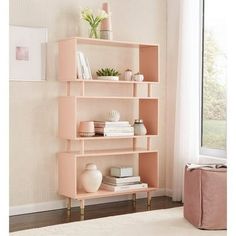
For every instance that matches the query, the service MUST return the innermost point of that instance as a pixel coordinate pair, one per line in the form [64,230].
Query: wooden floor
[47,218]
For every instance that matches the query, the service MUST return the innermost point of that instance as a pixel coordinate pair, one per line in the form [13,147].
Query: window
[214,73]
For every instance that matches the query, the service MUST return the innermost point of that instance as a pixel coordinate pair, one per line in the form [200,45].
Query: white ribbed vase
[91,178]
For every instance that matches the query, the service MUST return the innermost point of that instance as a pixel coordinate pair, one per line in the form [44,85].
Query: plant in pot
[107,74]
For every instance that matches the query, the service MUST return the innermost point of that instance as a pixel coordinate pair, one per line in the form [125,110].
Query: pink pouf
[205,196]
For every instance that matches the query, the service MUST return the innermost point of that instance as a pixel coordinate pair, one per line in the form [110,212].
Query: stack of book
[116,184]
[113,128]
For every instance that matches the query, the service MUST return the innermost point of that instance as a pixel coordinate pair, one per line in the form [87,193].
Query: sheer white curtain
[186,140]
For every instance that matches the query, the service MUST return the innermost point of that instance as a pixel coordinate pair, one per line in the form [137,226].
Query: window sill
[204,159]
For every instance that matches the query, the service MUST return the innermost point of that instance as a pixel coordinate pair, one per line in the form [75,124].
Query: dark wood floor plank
[54,217]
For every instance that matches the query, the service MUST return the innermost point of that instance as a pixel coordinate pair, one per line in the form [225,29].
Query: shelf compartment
[111,152]
[67,57]
[81,195]
[68,176]
[68,112]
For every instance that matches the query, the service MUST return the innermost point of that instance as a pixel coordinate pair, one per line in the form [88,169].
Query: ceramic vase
[128,75]
[91,178]
[139,128]
[106,28]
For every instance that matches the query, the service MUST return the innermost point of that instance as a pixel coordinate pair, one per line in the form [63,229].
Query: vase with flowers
[94,20]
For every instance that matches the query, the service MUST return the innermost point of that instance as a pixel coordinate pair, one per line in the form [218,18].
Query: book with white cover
[111,123]
[118,134]
[113,129]
[120,184]
[83,68]
[123,188]
[116,180]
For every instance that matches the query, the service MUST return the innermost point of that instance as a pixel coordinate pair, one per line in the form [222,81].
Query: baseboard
[168,192]
[60,204]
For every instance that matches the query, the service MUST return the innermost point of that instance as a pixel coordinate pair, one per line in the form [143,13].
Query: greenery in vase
[94,20]
[107,72]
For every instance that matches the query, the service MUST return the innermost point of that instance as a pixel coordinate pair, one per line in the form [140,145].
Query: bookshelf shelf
[81,195]
[111,152]
[112,43]
[93,81]
[71,106]
[113,97]
[99,137]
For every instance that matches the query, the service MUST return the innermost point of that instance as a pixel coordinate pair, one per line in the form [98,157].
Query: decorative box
[121,171]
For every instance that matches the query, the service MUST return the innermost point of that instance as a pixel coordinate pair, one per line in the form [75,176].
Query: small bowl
[86,128]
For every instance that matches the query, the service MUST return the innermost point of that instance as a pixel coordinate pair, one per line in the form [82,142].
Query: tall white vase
[91,178]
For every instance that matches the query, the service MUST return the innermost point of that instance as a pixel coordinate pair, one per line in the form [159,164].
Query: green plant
[107,72]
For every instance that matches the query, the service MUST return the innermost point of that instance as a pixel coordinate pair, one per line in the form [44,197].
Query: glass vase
[93,33]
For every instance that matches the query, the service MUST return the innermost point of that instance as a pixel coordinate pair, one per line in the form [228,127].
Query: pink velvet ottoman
[205,195]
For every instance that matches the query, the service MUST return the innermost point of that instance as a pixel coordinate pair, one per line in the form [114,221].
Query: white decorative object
[139,128]
[83,67]
[91,178]
[113,115]
[138,77]
[27,53]
[128,75]
[108,78]
[125,171]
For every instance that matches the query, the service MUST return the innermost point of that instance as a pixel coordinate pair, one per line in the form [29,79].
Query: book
[83,68]
[124,129]
[121,184]
[199,166]
[123,188]
[116,180]
[119,134]
[111,123]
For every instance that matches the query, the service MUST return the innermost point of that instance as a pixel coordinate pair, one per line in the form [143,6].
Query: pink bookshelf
[68,111]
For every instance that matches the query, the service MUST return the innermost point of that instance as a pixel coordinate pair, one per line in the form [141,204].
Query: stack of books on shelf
[118,184]
[113,128]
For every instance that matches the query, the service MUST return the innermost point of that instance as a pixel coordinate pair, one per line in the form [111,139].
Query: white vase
[91,178]
[139,128]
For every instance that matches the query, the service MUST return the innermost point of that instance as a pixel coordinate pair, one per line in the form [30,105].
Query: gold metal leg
[81,207]
[81,217]
[68,204]
[134,199]
[149,198]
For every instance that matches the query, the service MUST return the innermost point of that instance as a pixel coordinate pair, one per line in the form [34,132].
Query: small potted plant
[107,74]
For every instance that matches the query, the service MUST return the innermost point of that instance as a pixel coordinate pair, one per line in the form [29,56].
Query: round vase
[139,128]
[91,178]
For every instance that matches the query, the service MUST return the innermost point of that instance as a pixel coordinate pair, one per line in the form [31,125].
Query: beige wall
[33,105]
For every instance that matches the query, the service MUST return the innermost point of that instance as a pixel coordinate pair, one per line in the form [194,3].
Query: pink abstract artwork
[22,53]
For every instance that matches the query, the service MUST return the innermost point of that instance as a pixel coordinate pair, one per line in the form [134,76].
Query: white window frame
[210,152]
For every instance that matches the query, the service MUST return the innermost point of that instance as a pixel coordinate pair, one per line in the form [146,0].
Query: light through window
[214,73]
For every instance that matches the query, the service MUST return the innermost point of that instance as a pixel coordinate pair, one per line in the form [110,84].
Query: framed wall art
[28,53]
